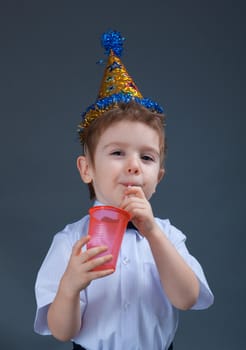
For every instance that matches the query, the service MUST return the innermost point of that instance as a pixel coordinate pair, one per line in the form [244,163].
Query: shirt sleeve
[49,277]
[178,239]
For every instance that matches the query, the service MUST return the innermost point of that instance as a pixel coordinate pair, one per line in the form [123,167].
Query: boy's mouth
[130,184]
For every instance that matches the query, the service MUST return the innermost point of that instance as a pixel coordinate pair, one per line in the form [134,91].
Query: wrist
[67,291]
[153,233]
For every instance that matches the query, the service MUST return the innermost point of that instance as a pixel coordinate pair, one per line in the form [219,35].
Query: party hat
[117,86]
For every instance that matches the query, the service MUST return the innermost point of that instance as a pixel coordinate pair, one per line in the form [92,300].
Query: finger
[92,252]
[93,263]
[136,198]
[99,274]
[130,199]
[93,275]
[133,206]
[135,191]
[79,244]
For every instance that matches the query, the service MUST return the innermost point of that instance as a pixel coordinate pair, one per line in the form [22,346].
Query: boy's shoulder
[75,230]
[172,232]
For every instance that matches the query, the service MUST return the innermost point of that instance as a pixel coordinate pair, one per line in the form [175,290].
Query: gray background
[189,56]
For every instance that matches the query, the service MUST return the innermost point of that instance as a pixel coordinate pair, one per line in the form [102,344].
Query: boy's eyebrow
[145,148]
[115,144]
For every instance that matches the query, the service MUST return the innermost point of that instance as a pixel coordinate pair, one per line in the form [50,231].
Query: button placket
[125,260]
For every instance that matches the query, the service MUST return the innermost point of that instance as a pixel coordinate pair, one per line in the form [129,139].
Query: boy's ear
[83,166]
[161,174]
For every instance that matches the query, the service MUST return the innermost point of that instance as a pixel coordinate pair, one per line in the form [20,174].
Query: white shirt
[128,309]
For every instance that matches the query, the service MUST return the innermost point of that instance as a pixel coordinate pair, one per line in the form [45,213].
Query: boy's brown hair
[132,112]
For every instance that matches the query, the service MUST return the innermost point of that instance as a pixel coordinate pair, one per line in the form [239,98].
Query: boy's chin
[111,203]
[114,204]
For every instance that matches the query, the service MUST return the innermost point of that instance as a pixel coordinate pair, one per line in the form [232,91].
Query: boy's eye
[116,153]
[147,158]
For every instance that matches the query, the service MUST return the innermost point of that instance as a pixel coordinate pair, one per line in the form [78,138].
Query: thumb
[79,244]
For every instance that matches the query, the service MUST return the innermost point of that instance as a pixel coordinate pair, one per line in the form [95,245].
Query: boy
[135,307]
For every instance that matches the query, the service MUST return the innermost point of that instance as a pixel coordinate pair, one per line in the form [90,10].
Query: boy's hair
[132,112]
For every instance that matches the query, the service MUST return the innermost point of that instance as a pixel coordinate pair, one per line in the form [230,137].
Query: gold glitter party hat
[117,86]
[116,80]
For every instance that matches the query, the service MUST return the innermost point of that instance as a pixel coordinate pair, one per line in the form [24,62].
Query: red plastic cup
[106,227]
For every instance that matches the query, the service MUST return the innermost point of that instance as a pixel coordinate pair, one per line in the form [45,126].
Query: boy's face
[127,154]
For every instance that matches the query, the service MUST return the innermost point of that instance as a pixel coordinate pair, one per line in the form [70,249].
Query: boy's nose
[133,166]
[133,170]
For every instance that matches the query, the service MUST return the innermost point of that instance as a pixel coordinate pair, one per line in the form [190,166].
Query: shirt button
[125,260]
[126,305]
